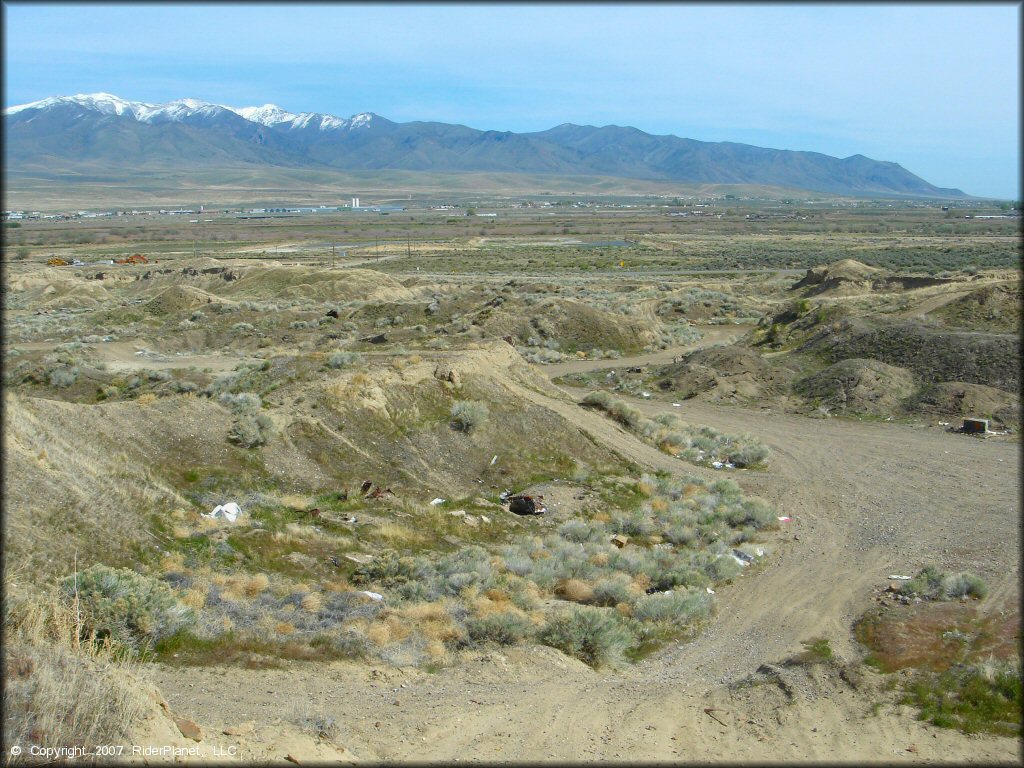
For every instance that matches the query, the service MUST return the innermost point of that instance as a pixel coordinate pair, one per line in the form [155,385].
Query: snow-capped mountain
[181,110]
[66,133]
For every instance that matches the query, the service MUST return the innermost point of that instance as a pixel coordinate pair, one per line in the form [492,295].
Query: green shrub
[342,359]
[677,607]
[595,636]
[932,584]
[972,698]
[251,431]
[129,608]
[467,415]
[63,376]
[500,628]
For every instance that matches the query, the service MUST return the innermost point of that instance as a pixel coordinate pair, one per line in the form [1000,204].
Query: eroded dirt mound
[992,308]
[858,386]
[51,288]
[725,373]
[316,285]
[849,278]
[573,324]
[954,398]
[179,298]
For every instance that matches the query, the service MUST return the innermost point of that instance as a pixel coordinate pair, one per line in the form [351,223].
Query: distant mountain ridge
[63,132]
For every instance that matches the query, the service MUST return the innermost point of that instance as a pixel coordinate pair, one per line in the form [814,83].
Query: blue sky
[935,88]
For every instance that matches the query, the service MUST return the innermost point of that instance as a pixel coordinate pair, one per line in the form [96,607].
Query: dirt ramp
[724,373]
[992,308]
[179,298]
[858,386]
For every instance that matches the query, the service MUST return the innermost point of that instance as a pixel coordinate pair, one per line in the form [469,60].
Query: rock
[358,557]
[292,759]
[471,521]
[189,729]
[241,729]
[444,372]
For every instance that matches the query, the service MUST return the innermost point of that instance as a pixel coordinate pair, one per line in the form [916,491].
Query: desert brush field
[764,536]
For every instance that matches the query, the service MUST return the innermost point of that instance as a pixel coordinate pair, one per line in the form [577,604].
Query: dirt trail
[867,499]
[133,356]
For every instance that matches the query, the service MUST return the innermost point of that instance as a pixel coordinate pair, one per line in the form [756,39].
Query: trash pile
[229,512]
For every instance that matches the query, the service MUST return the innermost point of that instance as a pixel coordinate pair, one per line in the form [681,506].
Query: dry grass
[576,590]
[61,691]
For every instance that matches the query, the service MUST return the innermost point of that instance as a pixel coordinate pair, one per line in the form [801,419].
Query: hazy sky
[935,88]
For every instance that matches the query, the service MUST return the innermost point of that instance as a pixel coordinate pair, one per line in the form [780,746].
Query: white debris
[717,464]
[709,590]
[899,578]
[435,502]
[494,459]
[677,405]
[230,512]
[371,595]
[645,394]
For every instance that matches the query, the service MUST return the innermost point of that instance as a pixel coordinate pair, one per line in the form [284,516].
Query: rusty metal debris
[371,491]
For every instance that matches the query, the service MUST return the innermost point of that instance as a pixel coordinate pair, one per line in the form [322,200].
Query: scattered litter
[230,512]
[504,495]
[494,459]
[349,519]
[435,502]
[943,423]
[371,595]
[645,394]
[759,551]
[785,519]
[677,405]
[619,540]
[900,578]
[709,590]
[742,557]
[527,505]
[717,464]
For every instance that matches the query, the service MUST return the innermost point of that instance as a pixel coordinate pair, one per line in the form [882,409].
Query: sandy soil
[866,499]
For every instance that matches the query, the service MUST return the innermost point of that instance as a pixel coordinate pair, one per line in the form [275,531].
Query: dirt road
[867,499]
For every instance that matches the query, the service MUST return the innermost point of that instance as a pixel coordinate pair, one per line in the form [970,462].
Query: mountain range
[65,133]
